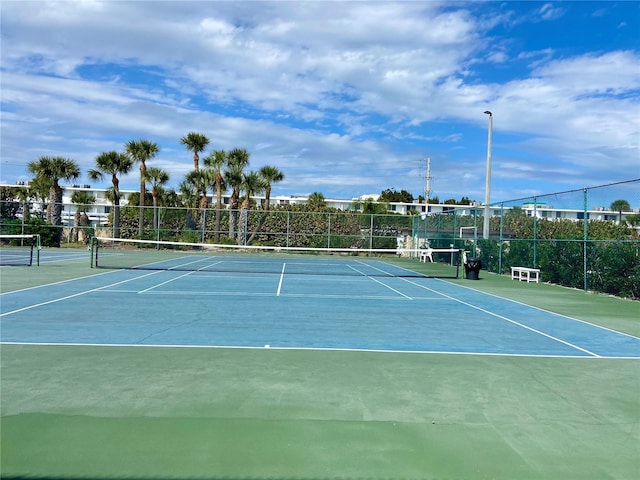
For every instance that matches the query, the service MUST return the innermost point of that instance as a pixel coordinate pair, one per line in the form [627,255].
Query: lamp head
[488,113]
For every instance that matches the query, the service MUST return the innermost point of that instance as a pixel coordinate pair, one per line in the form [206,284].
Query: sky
[345,98]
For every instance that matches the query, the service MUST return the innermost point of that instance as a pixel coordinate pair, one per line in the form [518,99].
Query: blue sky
[346,98]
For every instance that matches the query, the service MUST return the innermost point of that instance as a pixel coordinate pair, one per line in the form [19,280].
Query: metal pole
[501,238]
[585,238]
[371,233]
[535,232]
[487,188]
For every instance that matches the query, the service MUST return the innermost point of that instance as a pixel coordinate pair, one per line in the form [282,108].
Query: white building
[98,212]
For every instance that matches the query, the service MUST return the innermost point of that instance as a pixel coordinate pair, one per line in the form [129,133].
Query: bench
[524,273]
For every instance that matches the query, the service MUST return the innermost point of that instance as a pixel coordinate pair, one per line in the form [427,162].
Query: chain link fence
[586,238]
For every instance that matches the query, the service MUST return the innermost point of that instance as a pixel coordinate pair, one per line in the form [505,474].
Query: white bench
[524,273]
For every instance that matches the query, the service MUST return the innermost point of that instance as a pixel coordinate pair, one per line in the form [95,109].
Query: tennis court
[293,366]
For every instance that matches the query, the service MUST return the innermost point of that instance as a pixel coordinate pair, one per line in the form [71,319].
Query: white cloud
[550,11]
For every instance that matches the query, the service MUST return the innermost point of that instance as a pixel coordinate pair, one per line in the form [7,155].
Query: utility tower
[427,184]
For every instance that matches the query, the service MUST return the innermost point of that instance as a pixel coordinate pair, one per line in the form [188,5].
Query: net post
[91,250]
[38,249]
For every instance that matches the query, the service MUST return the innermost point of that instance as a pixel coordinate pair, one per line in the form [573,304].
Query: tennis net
[19,250]
[117,253]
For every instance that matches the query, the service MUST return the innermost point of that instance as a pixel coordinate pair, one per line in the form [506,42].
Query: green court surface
[97,411]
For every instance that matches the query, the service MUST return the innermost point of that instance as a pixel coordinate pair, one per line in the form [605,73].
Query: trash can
[472,268]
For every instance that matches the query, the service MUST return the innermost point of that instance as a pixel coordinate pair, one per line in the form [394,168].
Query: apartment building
[98,212]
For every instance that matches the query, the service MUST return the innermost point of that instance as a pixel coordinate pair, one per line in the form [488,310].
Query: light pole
[487,188]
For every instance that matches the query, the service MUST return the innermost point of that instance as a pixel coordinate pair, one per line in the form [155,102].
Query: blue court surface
[370,308]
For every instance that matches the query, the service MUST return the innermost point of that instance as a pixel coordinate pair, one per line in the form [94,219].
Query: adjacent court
[296,366]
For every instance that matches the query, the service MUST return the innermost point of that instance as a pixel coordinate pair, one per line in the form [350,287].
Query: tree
[9,207]
[200,180]
[269,175]
[252,183]
[39,187]
[316,202]
[196,143]
[390,195]
[81,199]
[237,160]
[24,194]
[156,177]
[189,196]
[634,219]
[377,208]
[216,161]
[141,151]
[620,206]
[52,170]
[114,164]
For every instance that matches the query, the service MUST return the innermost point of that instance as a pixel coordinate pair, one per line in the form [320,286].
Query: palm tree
[82,200]
[24,195]
[237,160]
[269,175]
[54,169]
[620,206]
[189,196]
[114,164]
[199,180]
[196,143]
[316,201]
[172,199]
[142,151]
[40,187]
[252,183]
[157,177]
[216,162]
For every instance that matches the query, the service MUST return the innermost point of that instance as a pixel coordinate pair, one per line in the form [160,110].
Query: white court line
[178,277]
[475,307]
[76,294]
[552,313]
[216,293]
[527,305]
[57,283]
[378,281]
[314,349]
[59,258]
[281,280]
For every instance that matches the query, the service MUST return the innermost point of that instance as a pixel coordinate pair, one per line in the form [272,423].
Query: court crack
[164,330]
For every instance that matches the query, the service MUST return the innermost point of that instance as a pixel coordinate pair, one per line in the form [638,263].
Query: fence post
[535,232]
[288,226]
[500,239]
[585,236]
[475,231]
[371,232]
